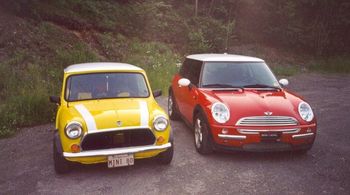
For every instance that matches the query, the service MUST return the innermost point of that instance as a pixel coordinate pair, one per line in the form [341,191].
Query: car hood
[110,114]
[255,103]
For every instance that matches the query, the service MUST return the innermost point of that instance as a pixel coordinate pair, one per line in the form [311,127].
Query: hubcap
[170,105]
[198,135]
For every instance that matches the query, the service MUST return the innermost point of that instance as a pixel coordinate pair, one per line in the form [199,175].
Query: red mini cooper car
[235,102]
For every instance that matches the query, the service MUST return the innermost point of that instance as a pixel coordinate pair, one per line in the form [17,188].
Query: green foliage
[29,76]
[197,42]
[339,64]
[157,59]
[285,70]
[78,53]
[24,96]
[113,46]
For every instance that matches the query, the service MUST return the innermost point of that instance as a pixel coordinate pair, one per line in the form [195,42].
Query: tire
[202,137]
[172,109]
[166,157]
[61,164]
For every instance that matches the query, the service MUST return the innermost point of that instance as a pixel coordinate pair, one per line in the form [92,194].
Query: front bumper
[266,147]
[116,151]
[250,139]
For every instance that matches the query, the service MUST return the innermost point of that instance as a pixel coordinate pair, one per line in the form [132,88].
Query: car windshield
[105,85]
[237,74]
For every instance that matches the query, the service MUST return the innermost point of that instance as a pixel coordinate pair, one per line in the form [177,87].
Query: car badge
[119,123]
[268,113]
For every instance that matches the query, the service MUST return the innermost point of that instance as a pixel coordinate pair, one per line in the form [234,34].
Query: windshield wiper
[261,86]
[219,85]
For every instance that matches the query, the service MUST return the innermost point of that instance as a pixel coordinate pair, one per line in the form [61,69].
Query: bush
[197,42]
[157,59]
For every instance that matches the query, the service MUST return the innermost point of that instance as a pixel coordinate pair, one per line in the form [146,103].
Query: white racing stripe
[144,115]
[89,119]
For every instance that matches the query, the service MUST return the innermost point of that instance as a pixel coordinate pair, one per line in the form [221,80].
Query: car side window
[191,69]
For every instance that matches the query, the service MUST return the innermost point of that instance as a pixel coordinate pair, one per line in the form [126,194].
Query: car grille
[118,139]
[267,121]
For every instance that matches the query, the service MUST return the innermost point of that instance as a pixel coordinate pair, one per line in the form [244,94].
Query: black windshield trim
[65,88]
[205,63]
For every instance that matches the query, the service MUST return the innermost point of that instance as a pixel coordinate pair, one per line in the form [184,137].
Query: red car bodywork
[246,103]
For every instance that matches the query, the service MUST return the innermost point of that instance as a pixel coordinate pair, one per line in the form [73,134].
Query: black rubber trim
[57,142]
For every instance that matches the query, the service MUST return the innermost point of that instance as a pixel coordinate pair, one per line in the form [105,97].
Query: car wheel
[202,137]
[61,164]
[167,156]
[172,110]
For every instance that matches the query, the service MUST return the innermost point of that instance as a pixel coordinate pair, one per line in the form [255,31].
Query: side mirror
[157,93]
[283,82]
[184,82]
[55,99]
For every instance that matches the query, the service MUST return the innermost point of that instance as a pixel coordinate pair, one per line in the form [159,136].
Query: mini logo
[119,123]
[268,113]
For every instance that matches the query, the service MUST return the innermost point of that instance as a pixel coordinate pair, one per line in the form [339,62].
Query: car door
[186,97]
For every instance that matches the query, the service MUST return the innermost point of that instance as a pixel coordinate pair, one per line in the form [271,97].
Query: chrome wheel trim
[170,105]
[198,135]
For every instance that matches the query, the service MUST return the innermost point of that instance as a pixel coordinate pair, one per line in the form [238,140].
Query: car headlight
[305,111]
[160,123]
[74,130]
[220,112]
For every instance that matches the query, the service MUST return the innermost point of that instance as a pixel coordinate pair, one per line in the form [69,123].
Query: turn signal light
[75,148]
[160,139]
[224,131]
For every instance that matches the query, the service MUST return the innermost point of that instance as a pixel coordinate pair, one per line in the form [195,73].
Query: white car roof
[101,66]
[223,58]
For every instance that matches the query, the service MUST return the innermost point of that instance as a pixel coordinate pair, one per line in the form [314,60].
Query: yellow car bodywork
[105,113]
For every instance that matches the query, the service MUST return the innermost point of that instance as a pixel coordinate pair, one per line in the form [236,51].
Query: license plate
[270,136]
[120,160]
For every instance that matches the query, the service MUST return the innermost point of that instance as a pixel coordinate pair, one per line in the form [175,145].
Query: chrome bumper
[115,151]
[234,137]
[303,136]
[243,137]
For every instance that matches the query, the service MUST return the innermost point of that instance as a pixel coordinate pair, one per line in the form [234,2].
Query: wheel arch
[198,109]
[57,142]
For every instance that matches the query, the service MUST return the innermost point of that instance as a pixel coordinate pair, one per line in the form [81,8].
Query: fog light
[308,130]
[160,139]
[75,148]
[224,131]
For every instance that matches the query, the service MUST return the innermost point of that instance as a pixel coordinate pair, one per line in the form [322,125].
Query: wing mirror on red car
[184,82]
[283,82]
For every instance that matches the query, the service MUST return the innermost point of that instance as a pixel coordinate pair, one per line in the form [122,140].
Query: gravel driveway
[26,165]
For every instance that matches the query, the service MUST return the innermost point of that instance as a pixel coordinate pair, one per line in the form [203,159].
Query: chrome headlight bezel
[73,126]
[160,123]
[220,112]
[305,111]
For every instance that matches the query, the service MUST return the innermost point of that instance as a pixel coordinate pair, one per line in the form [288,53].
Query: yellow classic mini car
[107,113]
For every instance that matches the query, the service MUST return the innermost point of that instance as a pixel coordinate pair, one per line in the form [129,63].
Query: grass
[339,64]
[285,70]
[29,76]
[157,59]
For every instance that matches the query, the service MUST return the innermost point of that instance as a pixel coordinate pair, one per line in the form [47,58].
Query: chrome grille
[267,121]
[257,131]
